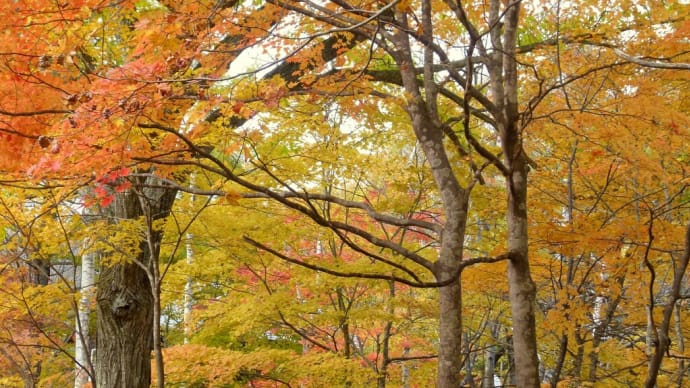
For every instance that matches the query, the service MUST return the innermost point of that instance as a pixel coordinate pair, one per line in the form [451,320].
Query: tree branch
[651,63]
[360,275]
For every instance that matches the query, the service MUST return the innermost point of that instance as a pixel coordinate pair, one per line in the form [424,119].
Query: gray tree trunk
[492,353]
[522,291]
[125,298]
[423,115]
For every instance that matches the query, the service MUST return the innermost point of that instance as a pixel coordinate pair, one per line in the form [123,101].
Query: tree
[435,111]
[611,155]
[38,332]
[127,295]
[472,92]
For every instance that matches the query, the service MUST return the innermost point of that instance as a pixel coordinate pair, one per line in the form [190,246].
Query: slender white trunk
[82,352]
[489,367]
[188,293]
[649,340]
[405,371]
[680,341]
[188,296]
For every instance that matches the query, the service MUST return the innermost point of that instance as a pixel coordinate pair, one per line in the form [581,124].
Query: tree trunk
[39,271]
[560,361]
[125,299]
[450,336]
[188,292]
[600,329]
[650,339]
[82,348]
[405,371]
[522,291]
[125,316]
[489,367]
[578,361]
[492,353]
[424,118]
[681,345]
[661,334]
[385,356]
[188,286]
[470,361]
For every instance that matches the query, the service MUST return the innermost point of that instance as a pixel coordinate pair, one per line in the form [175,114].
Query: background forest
[336,193]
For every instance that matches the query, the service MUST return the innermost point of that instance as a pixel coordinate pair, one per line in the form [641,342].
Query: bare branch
[412,358]
[384,218]
[651,63]
[36,112]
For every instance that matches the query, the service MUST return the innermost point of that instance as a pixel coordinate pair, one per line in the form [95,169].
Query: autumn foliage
[345,181]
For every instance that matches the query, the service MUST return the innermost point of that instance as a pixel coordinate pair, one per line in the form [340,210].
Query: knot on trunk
[123,303]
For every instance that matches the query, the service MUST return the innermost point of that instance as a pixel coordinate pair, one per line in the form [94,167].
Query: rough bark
[125,316]
[125,299]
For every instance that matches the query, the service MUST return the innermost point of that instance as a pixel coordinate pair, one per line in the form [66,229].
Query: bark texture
[125,299]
